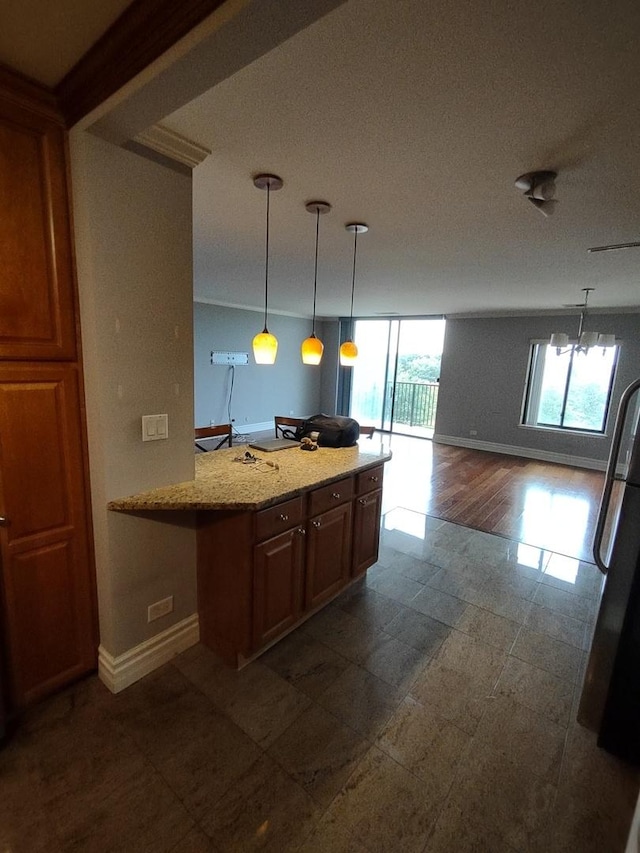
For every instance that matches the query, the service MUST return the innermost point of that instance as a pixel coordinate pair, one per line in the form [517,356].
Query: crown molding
[170,144]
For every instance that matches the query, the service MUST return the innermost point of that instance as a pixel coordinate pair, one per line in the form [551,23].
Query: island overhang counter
[277,538]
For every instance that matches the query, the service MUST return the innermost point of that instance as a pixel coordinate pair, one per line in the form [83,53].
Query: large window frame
[531,414]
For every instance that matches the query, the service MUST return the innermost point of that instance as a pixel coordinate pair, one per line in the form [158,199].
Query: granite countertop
[222,483]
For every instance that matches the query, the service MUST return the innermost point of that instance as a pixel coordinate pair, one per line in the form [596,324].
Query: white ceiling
[416,118]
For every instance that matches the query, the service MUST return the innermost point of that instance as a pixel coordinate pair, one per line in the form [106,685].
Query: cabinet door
[277,585]
[328,552]
[37,319]
[47,574]
[366,531]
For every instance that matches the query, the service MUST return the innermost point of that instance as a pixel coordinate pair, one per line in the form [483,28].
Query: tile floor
[430,708]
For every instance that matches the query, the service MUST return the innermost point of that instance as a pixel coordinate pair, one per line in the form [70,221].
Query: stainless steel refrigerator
[610,701]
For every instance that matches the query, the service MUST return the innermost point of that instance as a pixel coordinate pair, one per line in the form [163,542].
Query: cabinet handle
[284,517]
[3,521]
[363,501]
[336,496]
[316,523]
[373,479]
[301,531]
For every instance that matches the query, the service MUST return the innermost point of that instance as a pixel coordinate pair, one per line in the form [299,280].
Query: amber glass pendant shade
[348,354]
[311,350]
[265,347]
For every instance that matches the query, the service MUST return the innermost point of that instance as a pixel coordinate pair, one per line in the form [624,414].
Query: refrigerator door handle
[609,477]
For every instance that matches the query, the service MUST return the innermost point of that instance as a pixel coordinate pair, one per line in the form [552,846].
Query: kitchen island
[277,538]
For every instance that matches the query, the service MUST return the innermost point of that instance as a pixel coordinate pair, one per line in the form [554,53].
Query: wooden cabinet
[366,531]
[46,568]
[47,579]
[328,552]
[278,566]
[37,305]
[262,573]
[366,519]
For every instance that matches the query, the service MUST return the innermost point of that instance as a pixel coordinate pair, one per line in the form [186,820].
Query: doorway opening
[394,383]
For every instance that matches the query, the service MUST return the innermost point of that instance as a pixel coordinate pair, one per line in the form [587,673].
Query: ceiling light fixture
[348,350]
[312,348]
[265,345]
[586,340]
[539,188]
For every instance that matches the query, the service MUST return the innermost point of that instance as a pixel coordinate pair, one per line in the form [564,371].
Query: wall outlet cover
[160,608]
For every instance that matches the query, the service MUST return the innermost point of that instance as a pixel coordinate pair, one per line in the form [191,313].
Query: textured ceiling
[416,118]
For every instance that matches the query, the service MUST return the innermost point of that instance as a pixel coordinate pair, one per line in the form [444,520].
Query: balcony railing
[415,403]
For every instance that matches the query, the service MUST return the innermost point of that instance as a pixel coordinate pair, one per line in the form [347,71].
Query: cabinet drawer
[276,519]
[320,500]
[369,480]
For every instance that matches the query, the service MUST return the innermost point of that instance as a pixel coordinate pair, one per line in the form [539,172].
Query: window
[570,390]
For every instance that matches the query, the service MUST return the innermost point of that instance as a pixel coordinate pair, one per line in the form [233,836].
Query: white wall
[134,255]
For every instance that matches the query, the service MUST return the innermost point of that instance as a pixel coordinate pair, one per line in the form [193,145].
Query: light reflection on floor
[553,516]
[415,529]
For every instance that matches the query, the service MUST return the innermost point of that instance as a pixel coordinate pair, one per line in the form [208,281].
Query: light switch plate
[155,427]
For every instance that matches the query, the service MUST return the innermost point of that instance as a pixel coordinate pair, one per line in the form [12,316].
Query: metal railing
[415,403]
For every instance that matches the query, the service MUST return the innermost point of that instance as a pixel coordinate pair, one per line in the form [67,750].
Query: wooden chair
[281,423]
[225,430]
[367,430]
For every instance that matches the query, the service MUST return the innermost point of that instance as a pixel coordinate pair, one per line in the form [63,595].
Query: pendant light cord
[266,263]
[353,277]
[315,273]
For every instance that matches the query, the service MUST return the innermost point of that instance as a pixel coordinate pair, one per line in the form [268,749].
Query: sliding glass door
[394,383]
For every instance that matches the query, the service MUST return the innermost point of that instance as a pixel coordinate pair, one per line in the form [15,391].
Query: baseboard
[119,672]
[526,452]
[246,429]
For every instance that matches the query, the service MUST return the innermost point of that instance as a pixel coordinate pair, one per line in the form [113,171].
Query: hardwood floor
[542,504]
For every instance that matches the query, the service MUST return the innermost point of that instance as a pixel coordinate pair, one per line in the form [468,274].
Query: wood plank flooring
[538,503]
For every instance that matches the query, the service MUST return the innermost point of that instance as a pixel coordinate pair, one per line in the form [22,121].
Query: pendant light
[312,348]
[265,345]
[348,350]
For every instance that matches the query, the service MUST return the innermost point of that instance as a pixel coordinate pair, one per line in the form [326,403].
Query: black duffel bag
[330,430]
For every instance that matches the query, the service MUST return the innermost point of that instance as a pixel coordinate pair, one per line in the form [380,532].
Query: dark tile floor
[430,708]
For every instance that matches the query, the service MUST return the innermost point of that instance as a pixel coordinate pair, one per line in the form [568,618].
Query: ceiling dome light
[265,345]
[311,349]
[348,350]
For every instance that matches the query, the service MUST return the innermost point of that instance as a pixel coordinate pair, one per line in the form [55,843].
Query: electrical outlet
[160,608]
[473,432]
[212,423]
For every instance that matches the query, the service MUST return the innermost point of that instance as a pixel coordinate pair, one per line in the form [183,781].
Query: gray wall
[484,370]
[260,391]
[330,366]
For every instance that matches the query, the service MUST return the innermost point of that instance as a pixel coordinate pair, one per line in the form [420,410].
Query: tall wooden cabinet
[47,579]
